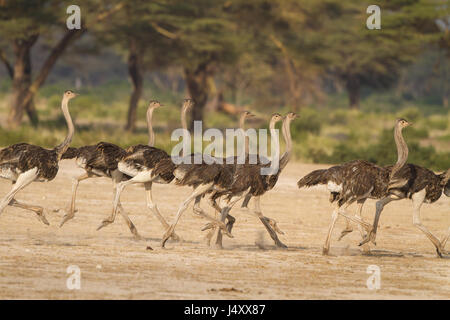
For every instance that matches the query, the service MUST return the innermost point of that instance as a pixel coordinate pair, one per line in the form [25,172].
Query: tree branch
[5,61]
[59,49]
[163,31]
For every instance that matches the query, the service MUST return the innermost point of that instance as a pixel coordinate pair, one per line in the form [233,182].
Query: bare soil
[34,257]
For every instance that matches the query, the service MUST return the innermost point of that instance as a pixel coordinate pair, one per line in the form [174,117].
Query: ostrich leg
[117,177]
[372,229]
[71,208]
[154,209]
[223,215]
[268,223]
[22,181]
[347,230]
[334,217]
[211,226]
[418,199]
[198,191]
[37,209]
[444,240]
[117,189]
[357,218]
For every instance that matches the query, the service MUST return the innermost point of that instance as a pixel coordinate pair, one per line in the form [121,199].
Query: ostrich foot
[325,251]
[167,235]
[41,217]
[370,236]
[226,228]
[345,232]
[280,245]
[104,224]
[440,251]
[66,217]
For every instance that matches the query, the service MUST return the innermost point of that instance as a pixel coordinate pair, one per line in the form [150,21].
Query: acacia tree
[361,57]
[22,23]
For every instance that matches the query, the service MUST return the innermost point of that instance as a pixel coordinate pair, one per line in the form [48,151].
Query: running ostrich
[356,180]
[205,178]
[274,119]
[146,164]
[416,183]
[24,163]
[100,160]
[248,180]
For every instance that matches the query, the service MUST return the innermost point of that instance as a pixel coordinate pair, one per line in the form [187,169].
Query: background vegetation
[347,83]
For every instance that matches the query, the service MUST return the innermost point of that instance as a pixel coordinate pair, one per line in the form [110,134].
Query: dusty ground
[34,257]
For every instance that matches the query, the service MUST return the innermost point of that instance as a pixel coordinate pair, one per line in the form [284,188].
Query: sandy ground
[34,257]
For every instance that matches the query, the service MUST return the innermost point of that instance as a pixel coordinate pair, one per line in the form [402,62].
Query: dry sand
[34,257]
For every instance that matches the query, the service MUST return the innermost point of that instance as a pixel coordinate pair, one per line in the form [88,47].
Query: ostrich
[356,180]
[146,164]
[274,119]
[24,163]
[247,180]
[206,178]
[416,183]
[353,181]
[100,160]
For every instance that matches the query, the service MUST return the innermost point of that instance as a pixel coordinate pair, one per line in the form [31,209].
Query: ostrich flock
[224,183]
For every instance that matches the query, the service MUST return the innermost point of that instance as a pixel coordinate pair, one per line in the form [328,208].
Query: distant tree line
[291,49]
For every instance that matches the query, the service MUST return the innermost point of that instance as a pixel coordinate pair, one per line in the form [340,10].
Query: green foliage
[310,121]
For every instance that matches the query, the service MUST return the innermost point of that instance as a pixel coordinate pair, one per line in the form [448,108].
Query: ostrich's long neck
[183,118]
[402,150]
[185,127]
[151,133]
[246,140]
[272,124]
[287,138]
[60,149]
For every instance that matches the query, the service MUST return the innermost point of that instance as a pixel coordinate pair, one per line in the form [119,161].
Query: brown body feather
[99,159]
[358,179]
[22,157]
[411,179]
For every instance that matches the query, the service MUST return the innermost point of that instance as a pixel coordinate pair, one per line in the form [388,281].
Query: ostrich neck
[287,138]
[183,118]
[60,149]
[185,129]
[272,124]
[402,150]
[151,133]
[246,140]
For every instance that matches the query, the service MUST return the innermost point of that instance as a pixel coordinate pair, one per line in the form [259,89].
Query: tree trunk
[197,84]
[135,73]
[21,83]
[27,98]
[353,89]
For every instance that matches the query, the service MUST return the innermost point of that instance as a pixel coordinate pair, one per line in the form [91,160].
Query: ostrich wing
[106,156]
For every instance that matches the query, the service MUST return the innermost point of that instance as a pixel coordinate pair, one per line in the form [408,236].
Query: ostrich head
[247,114]
[187,104]
[153,104]
[276,117]
[291,115]
[402,123]
[69,94]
